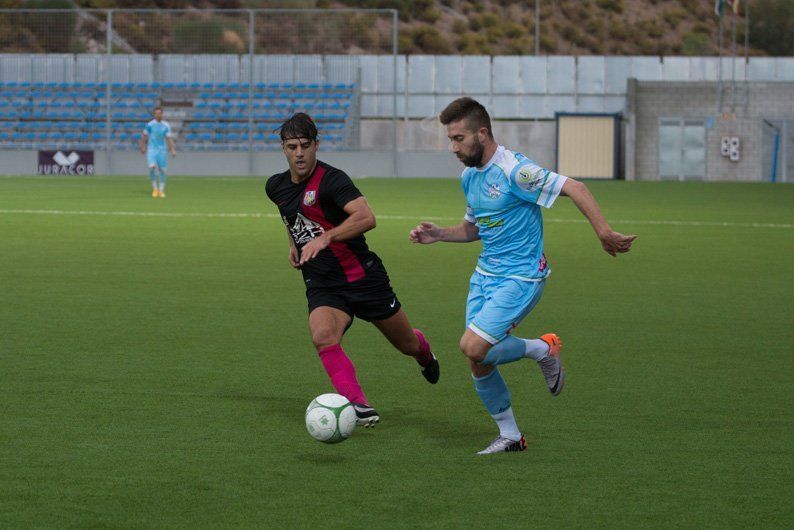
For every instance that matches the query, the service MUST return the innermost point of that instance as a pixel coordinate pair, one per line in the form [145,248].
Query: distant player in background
[155,139]
[326,216]
[504,192]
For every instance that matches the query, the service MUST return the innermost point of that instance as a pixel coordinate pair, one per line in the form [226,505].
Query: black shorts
[370,298]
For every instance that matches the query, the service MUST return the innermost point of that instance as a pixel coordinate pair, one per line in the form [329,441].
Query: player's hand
[615,243]
[143,152]
[293,257]
[425,233]
[313,247]
[173,153]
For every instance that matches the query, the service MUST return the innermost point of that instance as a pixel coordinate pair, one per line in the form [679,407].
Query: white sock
[536,349]
[162,186]
[507,425]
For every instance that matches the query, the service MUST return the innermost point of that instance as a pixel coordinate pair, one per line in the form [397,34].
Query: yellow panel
[586,146]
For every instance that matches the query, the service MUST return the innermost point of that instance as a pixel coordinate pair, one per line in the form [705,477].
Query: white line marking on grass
[388,217]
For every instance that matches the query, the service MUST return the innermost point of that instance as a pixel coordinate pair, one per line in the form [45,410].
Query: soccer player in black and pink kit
[326,217]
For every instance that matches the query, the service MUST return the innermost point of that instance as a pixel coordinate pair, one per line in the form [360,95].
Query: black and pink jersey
[310,208]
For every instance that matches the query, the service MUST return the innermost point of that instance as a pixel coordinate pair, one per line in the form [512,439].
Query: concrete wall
[649,102]
[535,139]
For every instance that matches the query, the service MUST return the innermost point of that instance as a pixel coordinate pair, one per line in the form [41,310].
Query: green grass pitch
[155,365]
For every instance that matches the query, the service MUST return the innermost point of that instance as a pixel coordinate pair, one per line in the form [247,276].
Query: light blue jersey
[504,198]
[156,133]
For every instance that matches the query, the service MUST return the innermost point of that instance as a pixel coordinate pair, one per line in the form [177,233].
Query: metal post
[719,70]
[394,93]
[108,56]
[733,65]
[250,92]
[746,34]
[537,27]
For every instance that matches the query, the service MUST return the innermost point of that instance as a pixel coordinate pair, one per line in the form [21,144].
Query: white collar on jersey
[500,149]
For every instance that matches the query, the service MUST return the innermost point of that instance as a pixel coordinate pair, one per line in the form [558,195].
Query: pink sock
[342,373]
[424,356]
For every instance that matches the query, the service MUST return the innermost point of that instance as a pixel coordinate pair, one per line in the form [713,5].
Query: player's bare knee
[470,350]
[322,338]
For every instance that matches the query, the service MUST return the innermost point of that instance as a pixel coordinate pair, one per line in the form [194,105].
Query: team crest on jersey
[310,198]
[530,180]
[494,192]
[304,230]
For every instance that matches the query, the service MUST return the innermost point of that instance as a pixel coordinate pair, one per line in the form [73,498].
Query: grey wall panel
[785,68]
[762,68]
[531,106]
[590,72]
[341,68]
[14,67]
[646,68]
[533,75]
[476,74]
[386,73]
[141,68]
[51,68]
[370,73]
[613,104]
[421,74]
[559,104]
[506,75]
[617,70]
[369,105]
[120,68]
[308,69]
[88,68]
[449,70]
[701,69]
[590,104]
[504,107]
[171,69]
[675,69]
[562,75]
[277,69]
[421,106]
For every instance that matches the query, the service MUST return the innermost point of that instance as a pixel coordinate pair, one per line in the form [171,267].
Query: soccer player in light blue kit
[504,193]
[154,140]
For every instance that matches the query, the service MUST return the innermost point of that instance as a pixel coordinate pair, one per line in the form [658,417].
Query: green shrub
[611,5]
[697,44]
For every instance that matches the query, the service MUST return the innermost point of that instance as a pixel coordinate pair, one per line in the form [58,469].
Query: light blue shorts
[157,158]
[496,304]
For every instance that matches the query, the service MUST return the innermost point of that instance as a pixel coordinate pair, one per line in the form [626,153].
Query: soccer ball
[330,418]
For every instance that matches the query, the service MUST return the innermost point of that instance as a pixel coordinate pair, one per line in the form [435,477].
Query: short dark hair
[299,125]
[467,109]
[156,109]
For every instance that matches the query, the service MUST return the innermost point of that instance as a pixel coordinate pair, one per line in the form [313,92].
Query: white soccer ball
[330,418]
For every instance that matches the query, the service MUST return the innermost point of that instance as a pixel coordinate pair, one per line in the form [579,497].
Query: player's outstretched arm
[171,148]
[361,219]
[427,233]
[143,144]
[612,242]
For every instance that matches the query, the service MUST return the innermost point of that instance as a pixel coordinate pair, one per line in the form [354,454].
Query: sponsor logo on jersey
[304,230]
[494,192]
[530,178]
[310,198]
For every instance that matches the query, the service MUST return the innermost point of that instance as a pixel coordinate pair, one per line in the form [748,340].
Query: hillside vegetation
[488,27]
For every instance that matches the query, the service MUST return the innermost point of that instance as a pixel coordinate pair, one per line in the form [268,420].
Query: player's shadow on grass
[445,431]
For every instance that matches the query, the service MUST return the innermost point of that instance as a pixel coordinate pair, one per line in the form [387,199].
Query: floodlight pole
[394,92]
[108,67]
[537,27]
[250,92]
